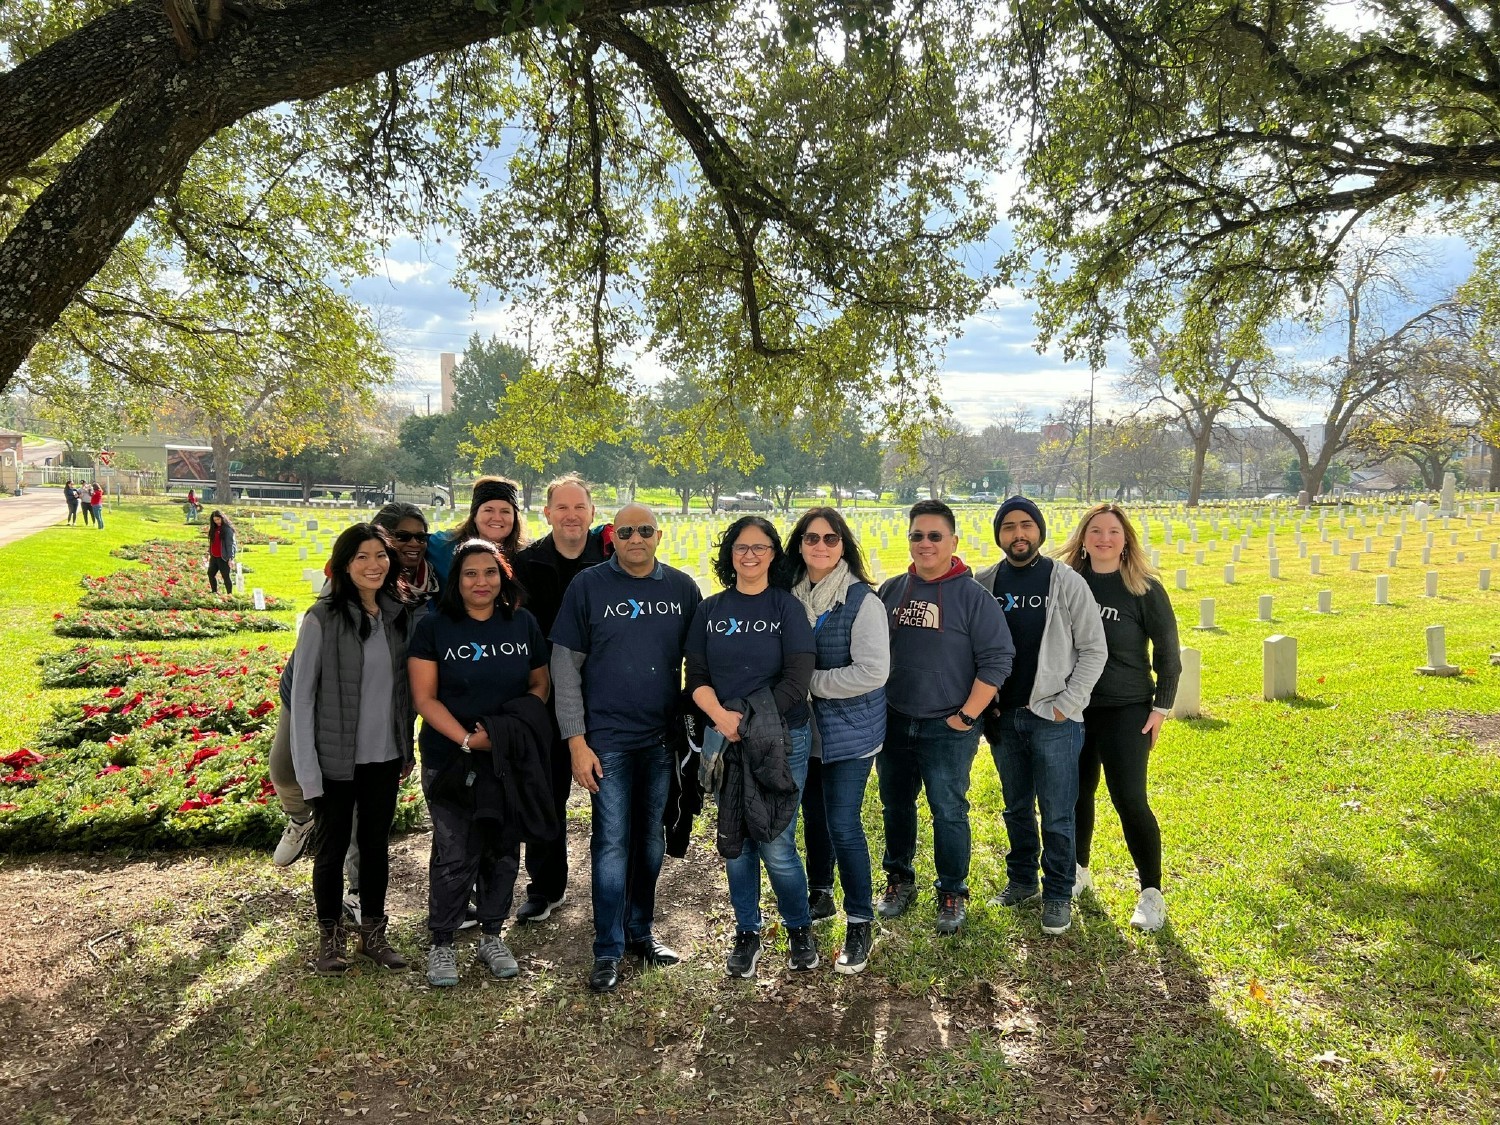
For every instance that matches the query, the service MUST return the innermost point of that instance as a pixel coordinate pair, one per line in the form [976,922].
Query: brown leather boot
[373,944]
[333,958]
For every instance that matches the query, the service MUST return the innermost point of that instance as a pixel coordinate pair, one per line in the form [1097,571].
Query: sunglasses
[930,536]
[408,536]
[624,534]
[828,539]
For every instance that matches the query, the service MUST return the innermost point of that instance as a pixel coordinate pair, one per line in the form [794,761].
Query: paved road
[40,508]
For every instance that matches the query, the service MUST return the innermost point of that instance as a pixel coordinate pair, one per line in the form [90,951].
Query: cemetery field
[1331,876]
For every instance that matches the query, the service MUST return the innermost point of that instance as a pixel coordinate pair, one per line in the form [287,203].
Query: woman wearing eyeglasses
[750,656]
[848,705]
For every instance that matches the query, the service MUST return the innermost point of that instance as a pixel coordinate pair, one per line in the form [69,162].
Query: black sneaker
[856,952]
[804,951]
[745,955]
[820,905]
[897,898]
[539,909]
[952,909]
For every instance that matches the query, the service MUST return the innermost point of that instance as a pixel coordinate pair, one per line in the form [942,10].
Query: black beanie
[1021,504]
[493,488]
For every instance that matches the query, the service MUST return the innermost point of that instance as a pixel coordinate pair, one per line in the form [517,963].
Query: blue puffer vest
[847,728]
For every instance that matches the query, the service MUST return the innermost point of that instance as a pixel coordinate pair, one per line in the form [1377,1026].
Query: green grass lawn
[1331,875]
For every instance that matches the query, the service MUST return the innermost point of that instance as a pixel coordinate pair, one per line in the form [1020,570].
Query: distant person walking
[221,551]
[96,505]
[192,506]
[70,494]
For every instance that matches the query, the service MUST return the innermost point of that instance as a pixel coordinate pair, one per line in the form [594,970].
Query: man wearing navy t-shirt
[617,648]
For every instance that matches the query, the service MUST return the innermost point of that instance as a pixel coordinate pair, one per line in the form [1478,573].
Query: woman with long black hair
[221,551]
[351,728]
[848,707]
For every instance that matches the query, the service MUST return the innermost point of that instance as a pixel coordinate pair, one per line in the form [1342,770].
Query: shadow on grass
[1420,947]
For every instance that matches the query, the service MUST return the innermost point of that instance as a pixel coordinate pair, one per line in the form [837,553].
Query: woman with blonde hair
[1127,708]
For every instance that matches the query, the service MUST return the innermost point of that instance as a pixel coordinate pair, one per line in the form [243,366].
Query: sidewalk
[21,516]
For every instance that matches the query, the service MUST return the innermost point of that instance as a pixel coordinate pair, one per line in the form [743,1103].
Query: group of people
[584,658]
[85,499]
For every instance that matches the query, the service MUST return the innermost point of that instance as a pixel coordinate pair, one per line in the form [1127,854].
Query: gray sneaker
[497,955]
[442,966]
[897,899]
[294,840]
[1016,895]
[1057,916]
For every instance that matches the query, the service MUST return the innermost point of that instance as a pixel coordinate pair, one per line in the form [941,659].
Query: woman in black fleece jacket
[1127,709]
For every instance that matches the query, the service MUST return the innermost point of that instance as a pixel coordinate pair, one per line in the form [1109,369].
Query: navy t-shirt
[745,638]
[1022,594]
[632,631]
[482,666]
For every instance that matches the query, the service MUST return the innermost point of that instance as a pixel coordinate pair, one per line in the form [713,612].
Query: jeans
[930,753]
[627,845]
[372,793]
[783,864]
[1037,760]
[97,511]
[832,826]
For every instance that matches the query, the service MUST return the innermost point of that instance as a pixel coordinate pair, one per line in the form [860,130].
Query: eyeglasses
[624,534]
[408,536]
[756,549]
[930,536]
[828,538]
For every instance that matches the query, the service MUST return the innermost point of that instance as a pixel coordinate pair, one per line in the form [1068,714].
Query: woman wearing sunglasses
[848,705]
[750,656]
[409,536]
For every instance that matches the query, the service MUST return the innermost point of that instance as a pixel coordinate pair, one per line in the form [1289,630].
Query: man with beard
[1035,727]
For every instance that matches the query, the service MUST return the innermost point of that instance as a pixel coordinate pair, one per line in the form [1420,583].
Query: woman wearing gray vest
[848,705]
[351,724]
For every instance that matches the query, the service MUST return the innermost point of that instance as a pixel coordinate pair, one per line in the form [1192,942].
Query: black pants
[72,511]
[1112,740]
[547,864]
[372,791]
[219,566]
[465,859]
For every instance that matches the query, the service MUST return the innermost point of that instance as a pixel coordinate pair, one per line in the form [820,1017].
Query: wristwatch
[464,745]
[967,720]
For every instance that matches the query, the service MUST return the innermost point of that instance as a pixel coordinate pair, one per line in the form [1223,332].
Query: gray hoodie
[1073,650]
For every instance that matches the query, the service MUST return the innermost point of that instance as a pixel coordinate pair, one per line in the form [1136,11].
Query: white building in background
[447,361]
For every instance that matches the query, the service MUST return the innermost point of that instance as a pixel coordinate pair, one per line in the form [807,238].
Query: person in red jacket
[96,505]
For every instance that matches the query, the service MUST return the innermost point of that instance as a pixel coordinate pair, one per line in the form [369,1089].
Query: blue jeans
[1037,760]
[783,864]
[832,825]
[627,845]
[930,753]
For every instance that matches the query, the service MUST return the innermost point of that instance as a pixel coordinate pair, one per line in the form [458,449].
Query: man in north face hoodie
[950,652]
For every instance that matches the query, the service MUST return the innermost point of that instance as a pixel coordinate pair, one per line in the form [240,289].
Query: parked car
[866,494]
[745,502]
[985,498]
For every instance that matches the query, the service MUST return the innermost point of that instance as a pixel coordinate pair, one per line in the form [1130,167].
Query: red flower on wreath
[264,707]
[22,757]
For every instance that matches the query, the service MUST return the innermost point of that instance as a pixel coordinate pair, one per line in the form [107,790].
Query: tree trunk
[686,494]
[1200,458]
[219,442]
[1494,468]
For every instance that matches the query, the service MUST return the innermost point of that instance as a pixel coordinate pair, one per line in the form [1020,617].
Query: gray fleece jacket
[1073,651]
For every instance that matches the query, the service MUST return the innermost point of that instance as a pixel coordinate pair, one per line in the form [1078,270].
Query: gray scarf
[818,600]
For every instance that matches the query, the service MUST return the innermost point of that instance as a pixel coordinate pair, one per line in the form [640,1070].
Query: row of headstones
[1266,602]
[1279,670]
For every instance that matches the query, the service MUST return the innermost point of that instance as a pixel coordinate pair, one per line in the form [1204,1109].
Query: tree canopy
[779,195]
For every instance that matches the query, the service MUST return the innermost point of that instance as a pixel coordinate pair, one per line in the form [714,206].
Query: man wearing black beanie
[1035,727]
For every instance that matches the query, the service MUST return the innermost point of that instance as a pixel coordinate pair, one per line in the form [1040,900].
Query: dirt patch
[1482,729]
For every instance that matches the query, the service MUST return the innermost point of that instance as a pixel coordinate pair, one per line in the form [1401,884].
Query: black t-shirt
[482,666]
[1129,623]
[1022,594]
[746,638]
[633,631]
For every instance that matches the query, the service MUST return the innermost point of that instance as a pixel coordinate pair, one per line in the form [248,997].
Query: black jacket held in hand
[685,791]
[758,797]
[509,784]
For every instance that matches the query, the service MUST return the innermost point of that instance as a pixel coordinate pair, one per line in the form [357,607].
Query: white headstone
[1390,559]
[1383,590]
[1314,564]
[312,525]
[1181,579]
[1484,578]
[1265,601]
[1275,568]
[1229,575]
[1188,703]
[1325,601]
[1205,614]
[302,553]
[260,598]
[1450,484]
[1354,561]
[1198,558]
[1437,654]
[271,547]
[1426,556]
[1432,577]
[1279,667]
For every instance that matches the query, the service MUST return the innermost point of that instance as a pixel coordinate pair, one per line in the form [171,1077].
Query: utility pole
[1088,467]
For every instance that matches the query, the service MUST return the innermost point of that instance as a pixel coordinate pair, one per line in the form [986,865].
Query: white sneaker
[1083,880]
[294,840]
[1150,911]
[351,907]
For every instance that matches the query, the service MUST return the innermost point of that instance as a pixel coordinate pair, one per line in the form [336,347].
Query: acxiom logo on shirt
[1026,601]
[728,627]
[479,652]
[632,609]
